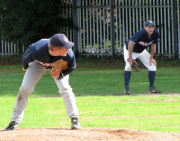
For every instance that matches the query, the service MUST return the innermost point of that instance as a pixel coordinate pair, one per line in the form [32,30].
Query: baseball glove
[135,65]
[57,68]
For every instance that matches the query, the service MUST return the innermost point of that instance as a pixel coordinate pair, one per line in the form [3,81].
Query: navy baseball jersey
[39,51]
[142,40]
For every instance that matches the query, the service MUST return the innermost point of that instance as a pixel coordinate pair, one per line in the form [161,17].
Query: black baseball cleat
[153,90]
[127,90]
[75,124]
[13,125]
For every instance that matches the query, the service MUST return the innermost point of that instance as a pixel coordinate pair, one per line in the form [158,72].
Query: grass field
[100,99]
[152,113]
[92,81]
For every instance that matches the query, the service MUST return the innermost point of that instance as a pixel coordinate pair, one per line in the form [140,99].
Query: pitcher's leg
[68,96]
[69,100]
[31,77]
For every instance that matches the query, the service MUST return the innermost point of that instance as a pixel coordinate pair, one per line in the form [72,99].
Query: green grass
[93,81]
[153,113]
[94,89]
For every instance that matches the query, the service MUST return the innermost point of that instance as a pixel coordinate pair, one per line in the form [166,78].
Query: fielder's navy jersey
[142,40]
[39,51]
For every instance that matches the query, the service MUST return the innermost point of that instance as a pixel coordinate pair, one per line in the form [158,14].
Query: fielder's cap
[60,40]
[148,23]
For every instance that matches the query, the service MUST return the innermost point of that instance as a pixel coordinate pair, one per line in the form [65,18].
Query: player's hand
[130,61]
[24,69]
[153,61]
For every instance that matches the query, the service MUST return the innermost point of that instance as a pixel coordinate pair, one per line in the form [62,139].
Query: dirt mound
[85,134]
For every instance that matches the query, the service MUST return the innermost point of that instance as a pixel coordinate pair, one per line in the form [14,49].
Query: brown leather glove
[135,65]
[57,68]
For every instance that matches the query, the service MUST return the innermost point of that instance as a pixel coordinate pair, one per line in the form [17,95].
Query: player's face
[149,29]
[59,52]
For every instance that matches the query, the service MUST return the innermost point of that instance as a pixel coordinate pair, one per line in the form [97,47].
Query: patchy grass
[155,113]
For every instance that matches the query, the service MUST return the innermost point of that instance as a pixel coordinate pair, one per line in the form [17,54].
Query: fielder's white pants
[33,74]
[144,57]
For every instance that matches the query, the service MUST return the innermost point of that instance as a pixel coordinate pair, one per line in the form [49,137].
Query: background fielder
[135,48]
[36,61]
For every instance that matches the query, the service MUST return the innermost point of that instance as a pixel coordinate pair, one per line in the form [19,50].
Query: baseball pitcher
[54,54]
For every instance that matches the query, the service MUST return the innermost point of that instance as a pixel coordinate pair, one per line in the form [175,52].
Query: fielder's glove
[134,64]
[57,68]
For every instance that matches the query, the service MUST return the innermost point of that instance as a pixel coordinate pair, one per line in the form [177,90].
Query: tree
[27,21]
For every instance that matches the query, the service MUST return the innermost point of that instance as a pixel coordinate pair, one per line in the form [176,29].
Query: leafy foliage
[27,21]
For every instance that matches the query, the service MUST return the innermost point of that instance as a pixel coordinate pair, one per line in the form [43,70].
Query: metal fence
[8,49]
[165,14]
[105,25]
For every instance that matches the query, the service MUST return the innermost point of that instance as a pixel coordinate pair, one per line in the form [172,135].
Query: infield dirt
[85,134]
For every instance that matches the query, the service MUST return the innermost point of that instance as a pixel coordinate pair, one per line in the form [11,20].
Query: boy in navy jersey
[135,48]
[36,61]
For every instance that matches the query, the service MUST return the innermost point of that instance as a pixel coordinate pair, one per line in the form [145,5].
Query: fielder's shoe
[127,90]
[75,124]
[13,125]
[153,90]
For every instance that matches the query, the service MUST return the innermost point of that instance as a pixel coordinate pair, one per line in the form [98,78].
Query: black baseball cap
[148,23]
[60,40]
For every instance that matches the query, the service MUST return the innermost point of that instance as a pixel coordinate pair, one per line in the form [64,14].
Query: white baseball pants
[144,57]
[33,74]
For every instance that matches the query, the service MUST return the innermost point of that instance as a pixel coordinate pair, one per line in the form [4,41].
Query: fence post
[112,27]
[174,21]
[75,33]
